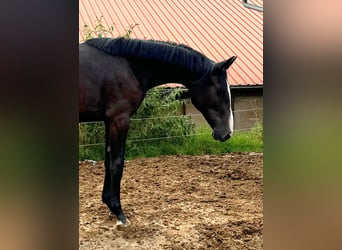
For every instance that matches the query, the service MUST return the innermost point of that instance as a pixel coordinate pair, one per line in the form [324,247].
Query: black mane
[168,52]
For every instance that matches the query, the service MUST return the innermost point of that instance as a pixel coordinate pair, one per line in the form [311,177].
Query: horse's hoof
[122,226]
[121,220]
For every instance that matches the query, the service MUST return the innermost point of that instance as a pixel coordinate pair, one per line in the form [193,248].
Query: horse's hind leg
[114,170]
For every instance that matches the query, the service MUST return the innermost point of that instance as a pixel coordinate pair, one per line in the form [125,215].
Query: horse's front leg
[106,193]
[117,139]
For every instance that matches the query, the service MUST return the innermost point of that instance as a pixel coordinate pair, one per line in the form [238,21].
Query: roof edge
[256,86]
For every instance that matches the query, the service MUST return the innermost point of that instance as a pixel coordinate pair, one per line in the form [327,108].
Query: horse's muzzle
[223,137]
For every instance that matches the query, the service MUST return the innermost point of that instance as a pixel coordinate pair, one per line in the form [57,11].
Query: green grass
[248,141]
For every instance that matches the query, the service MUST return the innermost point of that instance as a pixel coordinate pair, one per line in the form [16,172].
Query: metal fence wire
[168,137]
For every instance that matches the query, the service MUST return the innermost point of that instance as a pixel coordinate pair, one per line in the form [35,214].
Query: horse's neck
[153,73]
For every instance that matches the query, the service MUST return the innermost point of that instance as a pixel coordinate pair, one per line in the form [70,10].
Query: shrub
[159,116]
[100,30]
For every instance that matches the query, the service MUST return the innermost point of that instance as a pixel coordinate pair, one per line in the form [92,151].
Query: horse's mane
[168,52]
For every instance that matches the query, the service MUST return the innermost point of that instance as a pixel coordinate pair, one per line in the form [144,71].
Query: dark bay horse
[114,76]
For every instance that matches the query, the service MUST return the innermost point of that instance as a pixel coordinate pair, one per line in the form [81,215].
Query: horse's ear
[224,64]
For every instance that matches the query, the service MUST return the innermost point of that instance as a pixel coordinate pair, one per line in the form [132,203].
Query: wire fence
[177,116]
[169,137]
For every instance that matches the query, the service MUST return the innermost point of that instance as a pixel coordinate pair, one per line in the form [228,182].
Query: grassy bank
[242,141]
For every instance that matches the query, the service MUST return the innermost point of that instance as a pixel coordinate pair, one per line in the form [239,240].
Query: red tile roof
[217,28]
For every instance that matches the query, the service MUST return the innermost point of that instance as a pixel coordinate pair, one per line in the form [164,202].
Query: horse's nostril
[229,135]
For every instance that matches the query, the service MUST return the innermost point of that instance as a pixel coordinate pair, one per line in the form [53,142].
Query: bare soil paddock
[177,202]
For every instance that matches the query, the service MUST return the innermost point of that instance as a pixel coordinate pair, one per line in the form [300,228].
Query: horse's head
[211,96]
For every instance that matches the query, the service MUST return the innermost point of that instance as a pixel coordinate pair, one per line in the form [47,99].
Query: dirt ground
[177,202]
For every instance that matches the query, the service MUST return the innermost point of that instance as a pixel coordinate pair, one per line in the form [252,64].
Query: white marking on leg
[119,224]
[108,149]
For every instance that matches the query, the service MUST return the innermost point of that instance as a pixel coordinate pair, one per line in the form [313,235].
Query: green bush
[91,138]
[162,107]
[159,116]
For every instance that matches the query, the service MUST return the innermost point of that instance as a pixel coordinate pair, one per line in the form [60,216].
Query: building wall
[248,110]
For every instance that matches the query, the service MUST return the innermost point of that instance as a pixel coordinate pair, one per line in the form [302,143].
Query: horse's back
[104,80]
[95,64]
